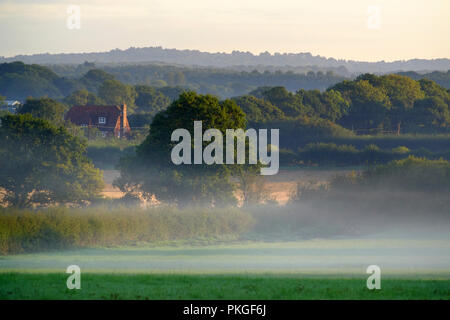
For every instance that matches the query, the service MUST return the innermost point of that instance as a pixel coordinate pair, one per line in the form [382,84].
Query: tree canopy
[115,92]
[41,164]
[82,98]
[151,171]
[94,78]
[394,103]
[150,100]
[258,110]
[369,104]
[44,108]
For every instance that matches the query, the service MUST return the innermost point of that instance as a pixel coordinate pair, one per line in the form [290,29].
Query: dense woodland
[396,127]
[18,80]
[367,104]
[360,120]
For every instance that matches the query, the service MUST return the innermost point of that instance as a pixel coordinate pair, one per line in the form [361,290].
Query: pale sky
[369,30]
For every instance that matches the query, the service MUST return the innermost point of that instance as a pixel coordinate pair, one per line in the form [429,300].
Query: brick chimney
[125,126]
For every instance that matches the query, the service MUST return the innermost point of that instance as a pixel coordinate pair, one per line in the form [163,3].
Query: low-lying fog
[399,252]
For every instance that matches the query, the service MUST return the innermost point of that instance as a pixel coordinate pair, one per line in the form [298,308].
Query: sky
[367,30]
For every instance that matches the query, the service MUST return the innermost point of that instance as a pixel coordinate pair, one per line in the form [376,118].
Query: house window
[83,125]
[103,134]
[101,120]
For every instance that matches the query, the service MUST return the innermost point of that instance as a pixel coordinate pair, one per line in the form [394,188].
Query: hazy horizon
[360,30]
[218,52]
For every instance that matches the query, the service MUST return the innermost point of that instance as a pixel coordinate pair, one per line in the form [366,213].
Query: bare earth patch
[110,191]
[278,188]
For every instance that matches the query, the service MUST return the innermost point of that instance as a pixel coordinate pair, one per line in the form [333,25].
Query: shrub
[59,228]
[418,174]
[401,150]
[405,175]
[329,154]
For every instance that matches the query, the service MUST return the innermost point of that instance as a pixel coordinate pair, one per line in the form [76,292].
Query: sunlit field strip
[160,287]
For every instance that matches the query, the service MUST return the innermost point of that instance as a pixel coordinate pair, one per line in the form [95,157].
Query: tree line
[43,164]
[369,104]
[237,59]
[19,80]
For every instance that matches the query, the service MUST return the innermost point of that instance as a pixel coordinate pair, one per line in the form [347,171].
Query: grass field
[308,269]
[161,287]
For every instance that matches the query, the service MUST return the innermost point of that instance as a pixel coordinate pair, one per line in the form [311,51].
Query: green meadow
[309,269]
[245,287]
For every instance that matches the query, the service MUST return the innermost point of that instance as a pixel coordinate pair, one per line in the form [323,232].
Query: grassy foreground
[161,287]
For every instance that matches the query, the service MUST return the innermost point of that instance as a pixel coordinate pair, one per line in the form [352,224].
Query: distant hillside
[441,78]
[304,107]
[236,58]
[19,81]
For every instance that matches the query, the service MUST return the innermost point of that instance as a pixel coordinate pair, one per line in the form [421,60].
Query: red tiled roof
[89,115]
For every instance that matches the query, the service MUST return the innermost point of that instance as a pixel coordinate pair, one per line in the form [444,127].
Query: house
[110,120]
[11,106]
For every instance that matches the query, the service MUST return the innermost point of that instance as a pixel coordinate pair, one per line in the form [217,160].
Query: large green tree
[328,105]
[402,92]
[395,103]
[150,100]
[429,115]
[44,108]
[258,110]
[432,89]
[82,98]
[151,171]
[171,92]
[289,103]
[369,105]
[19,81]
[94,78]
[41,164]
[115,92]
